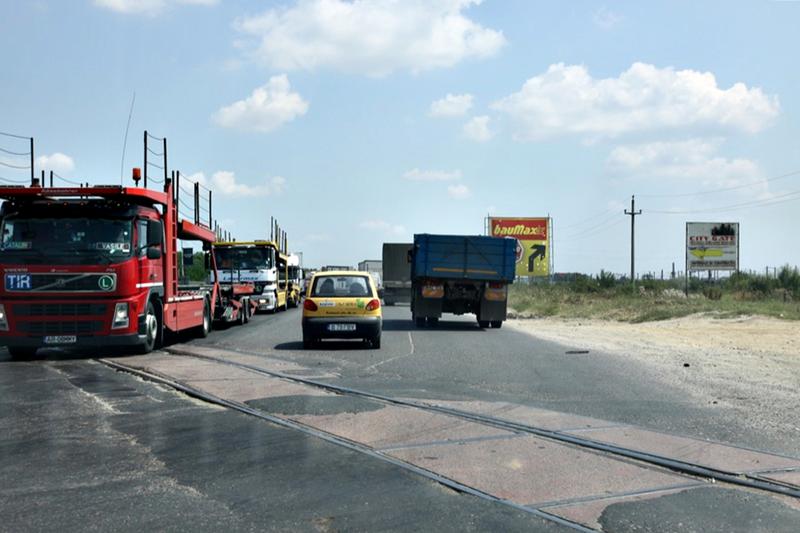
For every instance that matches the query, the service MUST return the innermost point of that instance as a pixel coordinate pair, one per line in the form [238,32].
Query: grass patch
[655,300]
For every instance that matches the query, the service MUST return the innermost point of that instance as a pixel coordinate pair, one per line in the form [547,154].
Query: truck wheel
[433,321]
[21,353]
[388,303]
[151,329]
[497,324]
[243,313]
[419,321]
[483,324]
[205,329]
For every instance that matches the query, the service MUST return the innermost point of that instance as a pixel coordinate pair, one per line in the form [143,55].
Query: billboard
[712,246]
[533,242]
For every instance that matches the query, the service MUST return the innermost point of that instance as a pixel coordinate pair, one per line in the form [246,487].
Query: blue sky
[356,123]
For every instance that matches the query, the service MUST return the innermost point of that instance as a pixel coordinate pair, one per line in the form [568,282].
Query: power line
[606,220]
[787,197]
[14,135]
[11,180]
[9,165]
[724,189]
[9,152]
[594,231]
[580,223]
[65,179]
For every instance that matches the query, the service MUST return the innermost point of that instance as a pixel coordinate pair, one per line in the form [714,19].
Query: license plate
[60,339]
[341,327]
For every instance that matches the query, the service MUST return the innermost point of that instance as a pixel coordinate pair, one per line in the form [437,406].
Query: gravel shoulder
[750,364]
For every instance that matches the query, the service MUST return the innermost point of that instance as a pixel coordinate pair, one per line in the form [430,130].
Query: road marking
[409,354]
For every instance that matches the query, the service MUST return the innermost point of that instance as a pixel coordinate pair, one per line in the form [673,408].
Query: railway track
[749,481]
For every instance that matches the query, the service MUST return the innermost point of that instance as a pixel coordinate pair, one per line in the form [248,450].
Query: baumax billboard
[533,242]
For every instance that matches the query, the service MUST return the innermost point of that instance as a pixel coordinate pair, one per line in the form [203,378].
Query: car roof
[342,273]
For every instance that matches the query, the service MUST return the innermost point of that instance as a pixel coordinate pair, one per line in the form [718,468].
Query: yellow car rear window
[341,287]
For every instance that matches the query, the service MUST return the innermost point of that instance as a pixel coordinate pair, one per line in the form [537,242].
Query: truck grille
[61,327]
[80,282]
[61,309]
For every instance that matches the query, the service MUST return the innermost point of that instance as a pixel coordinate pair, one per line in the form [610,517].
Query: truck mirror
[409,257]
[188,257]
[154,252]
[155,233]
[207,261]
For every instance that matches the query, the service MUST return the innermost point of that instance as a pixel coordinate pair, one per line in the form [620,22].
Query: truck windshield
[66,240]
[243,258]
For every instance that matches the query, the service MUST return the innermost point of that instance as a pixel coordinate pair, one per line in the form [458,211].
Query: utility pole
[632,213]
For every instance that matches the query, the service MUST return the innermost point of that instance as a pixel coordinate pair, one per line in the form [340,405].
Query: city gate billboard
[533,242]
[712,246]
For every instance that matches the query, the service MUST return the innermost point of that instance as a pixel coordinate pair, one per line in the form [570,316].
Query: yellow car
[342,305]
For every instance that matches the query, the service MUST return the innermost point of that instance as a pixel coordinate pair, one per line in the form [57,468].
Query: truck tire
[497,324]
[242,319]
[388,303]
[433,321]
[21,353]
[483,324]
[152,326]
[419,321]
[205,328]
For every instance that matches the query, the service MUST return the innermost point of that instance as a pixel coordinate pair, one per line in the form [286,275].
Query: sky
[365,121]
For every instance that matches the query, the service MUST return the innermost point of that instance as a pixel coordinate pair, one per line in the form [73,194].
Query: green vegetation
[604,297]
[197,272]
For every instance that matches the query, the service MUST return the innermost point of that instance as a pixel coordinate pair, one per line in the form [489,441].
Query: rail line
[745,480]
[340,441]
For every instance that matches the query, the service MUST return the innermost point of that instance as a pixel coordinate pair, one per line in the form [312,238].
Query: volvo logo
[106,283]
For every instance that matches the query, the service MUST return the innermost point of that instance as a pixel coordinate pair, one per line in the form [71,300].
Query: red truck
[97,267]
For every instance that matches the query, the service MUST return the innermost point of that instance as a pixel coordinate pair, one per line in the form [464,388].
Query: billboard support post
[686,264]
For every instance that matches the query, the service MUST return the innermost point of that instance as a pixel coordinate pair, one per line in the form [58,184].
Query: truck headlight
[3,318]
[121,319]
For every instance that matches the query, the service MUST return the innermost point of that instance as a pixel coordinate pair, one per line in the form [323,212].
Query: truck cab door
[151,273]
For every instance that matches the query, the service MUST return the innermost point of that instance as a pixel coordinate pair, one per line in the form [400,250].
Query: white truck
[257,263]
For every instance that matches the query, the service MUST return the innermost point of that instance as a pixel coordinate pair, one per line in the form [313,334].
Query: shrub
[789,279]
[606,280]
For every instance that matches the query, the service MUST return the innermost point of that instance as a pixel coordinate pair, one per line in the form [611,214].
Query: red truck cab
[95,267]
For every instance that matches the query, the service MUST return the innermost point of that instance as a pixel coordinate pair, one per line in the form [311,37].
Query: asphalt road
[88,448]
[459,361]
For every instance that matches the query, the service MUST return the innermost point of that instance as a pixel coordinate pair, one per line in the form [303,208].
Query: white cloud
[57,162]
[373,37]
[147,7]
[383,227]
[567,100]
[224,182]
[606,19]
[693,161]
[452,105]
[432,175]
[267,108]
[459,192]
[477,129]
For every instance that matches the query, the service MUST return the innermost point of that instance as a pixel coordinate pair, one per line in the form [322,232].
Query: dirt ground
[751,364]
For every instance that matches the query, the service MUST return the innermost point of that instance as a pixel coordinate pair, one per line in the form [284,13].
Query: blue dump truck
[461,274]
